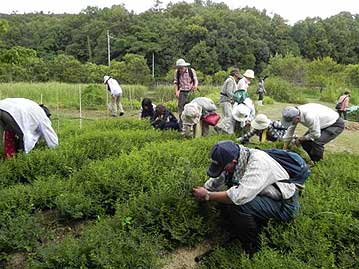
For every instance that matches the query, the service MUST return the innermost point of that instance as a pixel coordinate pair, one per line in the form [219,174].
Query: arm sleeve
[289,133]
[195,78]
[49,134]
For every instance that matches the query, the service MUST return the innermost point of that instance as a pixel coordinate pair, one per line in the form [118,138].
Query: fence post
[80,107]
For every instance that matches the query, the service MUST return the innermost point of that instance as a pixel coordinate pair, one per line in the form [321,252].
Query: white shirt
[114,87]
[32,121]
[261,172]
[243,84]
[315,117]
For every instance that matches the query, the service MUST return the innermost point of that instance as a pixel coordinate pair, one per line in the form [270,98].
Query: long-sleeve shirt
[275,131]
[228,88]
[32,121]
[315,117]
[114,87]
[261,172]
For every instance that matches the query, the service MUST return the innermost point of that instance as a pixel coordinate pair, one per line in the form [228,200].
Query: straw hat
[249,73]
[260,122]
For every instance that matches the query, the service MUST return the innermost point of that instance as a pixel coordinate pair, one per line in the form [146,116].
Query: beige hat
[241,113]
[249,73]
[191,114]
[182,63]
[260,122]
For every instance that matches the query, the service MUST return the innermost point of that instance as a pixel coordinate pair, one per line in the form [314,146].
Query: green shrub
[93,96]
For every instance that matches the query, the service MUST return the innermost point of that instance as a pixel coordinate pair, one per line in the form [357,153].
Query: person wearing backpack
[251,187]
[226,100]
[24,123]
[185,82]
[343,105]
[115,89]
[323,123]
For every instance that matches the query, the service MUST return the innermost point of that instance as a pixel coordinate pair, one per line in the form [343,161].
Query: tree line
[209,35]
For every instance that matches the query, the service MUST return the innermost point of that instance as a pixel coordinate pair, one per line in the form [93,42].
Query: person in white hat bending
[265,129]
[323,123]
[115,89]
[193,123]
[244,82]
[185,82]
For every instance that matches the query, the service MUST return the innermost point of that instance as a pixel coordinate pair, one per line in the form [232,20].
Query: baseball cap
[288,114]
[222,154]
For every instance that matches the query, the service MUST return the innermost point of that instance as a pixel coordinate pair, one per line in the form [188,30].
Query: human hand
[177,94]
[199,193]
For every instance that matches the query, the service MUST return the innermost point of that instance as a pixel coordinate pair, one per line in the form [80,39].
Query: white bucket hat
[260,122]
[191,114]
[105,78]
[241,113]
[182,63]
[249,73]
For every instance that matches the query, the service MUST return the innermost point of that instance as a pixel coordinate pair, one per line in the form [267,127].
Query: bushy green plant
[93,96]
[283,91]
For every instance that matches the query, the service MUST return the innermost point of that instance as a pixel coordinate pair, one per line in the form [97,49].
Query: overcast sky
[291,10]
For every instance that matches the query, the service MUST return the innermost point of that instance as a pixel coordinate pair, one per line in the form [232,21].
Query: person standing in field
[185,82]
[323,123]
[343,104]
[24,122]
[226,100]
[115,89]
[261,91]
[244,82]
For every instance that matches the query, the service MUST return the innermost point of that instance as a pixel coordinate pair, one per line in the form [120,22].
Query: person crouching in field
[323,123]
[265,129]
[24,122]
[147,109]
[164,119]
[115,89]
[197,116]
[248,184]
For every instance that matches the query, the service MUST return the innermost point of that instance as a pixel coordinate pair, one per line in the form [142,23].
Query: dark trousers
[7,122]
[183,99]
[246,221]
[315,149]
[342,114]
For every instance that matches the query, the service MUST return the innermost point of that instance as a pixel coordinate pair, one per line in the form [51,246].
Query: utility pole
[153,65]
[108,49]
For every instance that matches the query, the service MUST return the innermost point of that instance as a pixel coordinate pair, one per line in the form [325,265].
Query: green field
[117,194]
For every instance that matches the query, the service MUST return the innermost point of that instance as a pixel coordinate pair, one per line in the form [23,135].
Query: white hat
[249,73]
[241,113]
[260,122]
[182,63]
[105,78]
[191,114]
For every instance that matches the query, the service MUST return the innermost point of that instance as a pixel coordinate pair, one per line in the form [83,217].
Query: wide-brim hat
[182,63]
[260,122]
[191,114]
[249,73]
[241,112]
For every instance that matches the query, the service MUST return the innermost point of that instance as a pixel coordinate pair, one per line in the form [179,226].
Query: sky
[291,10]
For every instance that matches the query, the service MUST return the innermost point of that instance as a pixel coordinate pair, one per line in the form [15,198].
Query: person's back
[31,120]
[312,112]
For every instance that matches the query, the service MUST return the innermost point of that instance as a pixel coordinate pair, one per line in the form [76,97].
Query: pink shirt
[344,100]
[185,81]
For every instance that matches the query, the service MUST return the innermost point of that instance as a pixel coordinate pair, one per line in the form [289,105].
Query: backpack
[190,73]
[239,96]
[293,163]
